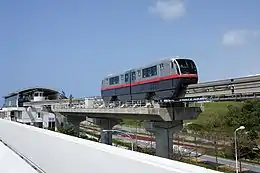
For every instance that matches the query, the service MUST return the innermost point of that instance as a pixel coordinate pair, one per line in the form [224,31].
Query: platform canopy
[47,91]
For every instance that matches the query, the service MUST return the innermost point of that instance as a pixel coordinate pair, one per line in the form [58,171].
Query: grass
[131,122]
[212,109]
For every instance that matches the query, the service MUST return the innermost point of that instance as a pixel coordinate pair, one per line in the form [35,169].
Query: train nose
[189,80]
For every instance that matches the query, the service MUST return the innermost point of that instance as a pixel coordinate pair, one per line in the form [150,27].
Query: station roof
[47,91]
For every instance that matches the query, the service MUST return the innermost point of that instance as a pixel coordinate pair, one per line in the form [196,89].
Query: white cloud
[240,37]
[168,9]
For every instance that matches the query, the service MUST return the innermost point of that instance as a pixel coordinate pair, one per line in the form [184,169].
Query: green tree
[68,129]
[215,123]
[233,117]
[248,115]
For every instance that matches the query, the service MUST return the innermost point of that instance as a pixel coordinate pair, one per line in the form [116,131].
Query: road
[248,166]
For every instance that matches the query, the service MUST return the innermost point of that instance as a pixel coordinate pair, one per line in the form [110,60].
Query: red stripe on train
[173,76]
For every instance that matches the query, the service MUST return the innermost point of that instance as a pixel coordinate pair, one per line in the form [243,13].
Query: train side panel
[143,83]
[168,85]
[124,92]
[160,84]
[108,90]
[105,94]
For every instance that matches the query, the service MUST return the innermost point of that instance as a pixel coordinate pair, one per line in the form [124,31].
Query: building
[16,107]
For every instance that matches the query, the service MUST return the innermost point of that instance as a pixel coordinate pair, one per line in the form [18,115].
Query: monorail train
[158,81]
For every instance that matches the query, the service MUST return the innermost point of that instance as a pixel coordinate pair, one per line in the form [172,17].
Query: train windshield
[187,66]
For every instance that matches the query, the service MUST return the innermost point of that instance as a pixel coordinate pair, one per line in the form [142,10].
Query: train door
[137,89]
[123,91]
[133,76]
[128,83]
[133,80]
[138,75]
[161,70]
[104,84]
[128,78]
[165,69]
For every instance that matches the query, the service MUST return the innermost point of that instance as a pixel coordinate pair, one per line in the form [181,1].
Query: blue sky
[71,45]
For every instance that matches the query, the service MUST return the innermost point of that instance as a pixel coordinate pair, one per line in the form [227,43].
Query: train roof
[149,65]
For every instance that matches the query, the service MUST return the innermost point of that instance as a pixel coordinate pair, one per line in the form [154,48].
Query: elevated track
[233,89]
[222,90]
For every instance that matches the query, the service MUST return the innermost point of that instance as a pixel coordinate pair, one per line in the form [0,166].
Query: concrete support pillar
[163,132]
[106,124]
[75,121]
[60,121]
[64,122]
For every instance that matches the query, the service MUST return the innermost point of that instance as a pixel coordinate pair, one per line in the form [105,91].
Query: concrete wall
[47,117]
[29,115]
[54,152]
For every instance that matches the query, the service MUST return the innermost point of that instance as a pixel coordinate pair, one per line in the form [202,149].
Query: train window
[126,77]
[111,81]
[139,72]
[122,77]
[133,76]
[192,65]
[154,71]
[187,66]
[150,71]
[145,72]
[161,66]
[114,80]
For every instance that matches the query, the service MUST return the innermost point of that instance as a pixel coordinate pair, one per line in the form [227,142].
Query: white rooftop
[13,163]
[54,152]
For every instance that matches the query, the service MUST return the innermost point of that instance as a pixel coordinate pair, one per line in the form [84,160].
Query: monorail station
[15,107]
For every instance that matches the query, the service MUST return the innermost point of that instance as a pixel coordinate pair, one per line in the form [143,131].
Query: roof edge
[31,88]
